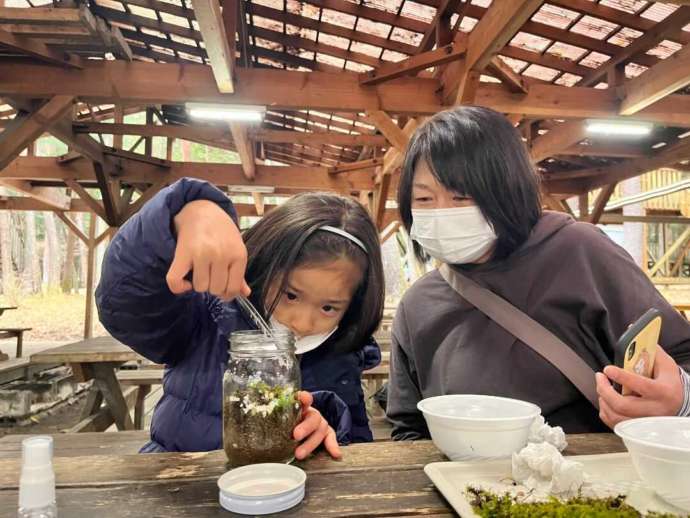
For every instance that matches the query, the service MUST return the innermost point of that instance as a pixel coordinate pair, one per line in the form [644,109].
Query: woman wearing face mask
[469,197]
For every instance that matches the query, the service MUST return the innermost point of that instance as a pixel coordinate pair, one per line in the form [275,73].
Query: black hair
[476,152]
[289,236]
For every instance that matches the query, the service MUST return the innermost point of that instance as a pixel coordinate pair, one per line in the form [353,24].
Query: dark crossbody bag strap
[527,330]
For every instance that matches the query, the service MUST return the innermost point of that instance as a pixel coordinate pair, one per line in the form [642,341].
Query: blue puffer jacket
[189,333]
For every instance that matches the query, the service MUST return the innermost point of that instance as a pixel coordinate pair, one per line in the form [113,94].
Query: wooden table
[6,308]
[97,359]
[374,479]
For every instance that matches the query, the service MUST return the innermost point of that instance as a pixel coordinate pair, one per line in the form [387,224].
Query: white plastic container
[660,451]
[261,488]
[472,427]
[37,479]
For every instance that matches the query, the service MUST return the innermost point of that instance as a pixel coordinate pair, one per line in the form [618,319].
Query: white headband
[345,234]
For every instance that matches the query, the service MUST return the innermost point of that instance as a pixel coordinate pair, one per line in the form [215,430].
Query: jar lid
[261,488]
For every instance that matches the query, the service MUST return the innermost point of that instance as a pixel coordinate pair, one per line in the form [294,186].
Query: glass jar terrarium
[260,406]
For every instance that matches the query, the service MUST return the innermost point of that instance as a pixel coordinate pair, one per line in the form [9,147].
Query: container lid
[261,488]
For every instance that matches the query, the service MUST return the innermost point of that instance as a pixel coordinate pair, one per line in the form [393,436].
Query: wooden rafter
[356,166]
[513,81]
[601,201]
[37,49]
[410,66]
[557,139]
[72,226]
[444,11]
[94,205]
[389,129]
[50,196]
[213,25]
[245,148]
[28,127]
[599,176]
[657,82]
[655,35]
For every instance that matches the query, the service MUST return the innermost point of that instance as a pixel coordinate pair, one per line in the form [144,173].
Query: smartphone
[636,348]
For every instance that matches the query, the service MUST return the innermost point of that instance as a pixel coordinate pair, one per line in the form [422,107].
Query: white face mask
[305,343]
[458,235]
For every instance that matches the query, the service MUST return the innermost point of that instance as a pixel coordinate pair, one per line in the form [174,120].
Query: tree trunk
[32,267]
[82,223]
[51,256]
[6,253]
[68,271]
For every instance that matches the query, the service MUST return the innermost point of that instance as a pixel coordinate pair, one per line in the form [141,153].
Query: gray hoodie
[568,276]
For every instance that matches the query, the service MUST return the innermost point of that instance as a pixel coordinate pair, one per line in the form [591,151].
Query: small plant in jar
[260,406]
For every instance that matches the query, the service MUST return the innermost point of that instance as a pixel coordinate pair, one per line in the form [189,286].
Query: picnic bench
[97,359]
[12,332]
[102,472]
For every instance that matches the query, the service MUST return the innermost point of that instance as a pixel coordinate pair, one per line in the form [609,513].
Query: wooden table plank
[84,444]
[93,350]
[118,469]
[390,493]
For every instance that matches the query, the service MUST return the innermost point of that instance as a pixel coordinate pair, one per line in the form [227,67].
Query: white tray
[607,475]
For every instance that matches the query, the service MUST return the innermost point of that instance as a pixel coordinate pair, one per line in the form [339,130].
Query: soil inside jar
[257,424]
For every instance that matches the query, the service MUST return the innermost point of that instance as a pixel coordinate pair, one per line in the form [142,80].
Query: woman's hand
[313,430]
[210,245]
[660,395]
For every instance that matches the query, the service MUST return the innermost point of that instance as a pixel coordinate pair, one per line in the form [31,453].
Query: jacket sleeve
[336,412]
[133,300]
[625,293]
[403,390]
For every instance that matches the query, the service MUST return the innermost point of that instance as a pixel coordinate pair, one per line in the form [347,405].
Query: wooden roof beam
[414,64]
[130,83]
[491,34]
[657,82]
[220,45]
[38,50]
[25,128]
[665,29]
[299,178]
[54,198]
[598,176]
[389,129]
[496,28]
[245,148]
[355,166]
[557,139]
[444,11]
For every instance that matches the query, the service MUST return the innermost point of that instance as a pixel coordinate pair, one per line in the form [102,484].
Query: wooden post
[148,146]
[119,119]
[169,148]
[91,268]
[583,202]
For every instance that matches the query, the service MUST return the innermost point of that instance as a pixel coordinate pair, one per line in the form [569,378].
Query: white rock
[542,432]
[541,467]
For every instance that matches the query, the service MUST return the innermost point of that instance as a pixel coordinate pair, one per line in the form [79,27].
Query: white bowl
[660,451]
[470,427]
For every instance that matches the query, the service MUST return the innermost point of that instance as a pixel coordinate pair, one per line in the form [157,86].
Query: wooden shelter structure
[344,83]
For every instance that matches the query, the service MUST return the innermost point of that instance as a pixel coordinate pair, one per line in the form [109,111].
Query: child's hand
[660,395]
[210,245]
[314,430]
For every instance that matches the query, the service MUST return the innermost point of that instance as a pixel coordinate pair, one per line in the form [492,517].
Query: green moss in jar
[258,422]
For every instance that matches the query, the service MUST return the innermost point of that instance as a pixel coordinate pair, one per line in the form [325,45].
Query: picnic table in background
[97,359]
[12,332]
[372,479]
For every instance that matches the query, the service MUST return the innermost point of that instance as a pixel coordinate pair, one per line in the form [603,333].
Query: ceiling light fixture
[226,112]
[618,128]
